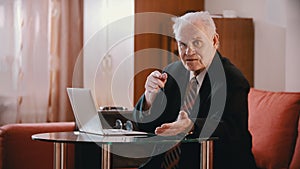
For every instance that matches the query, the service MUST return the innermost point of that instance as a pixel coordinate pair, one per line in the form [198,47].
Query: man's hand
[183,124]
[155,81]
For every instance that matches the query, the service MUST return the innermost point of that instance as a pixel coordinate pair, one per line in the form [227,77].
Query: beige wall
[108,51]
[276,39]
[292,46]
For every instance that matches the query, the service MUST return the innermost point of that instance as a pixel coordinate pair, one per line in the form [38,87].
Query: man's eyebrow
[181,42]
[197,38]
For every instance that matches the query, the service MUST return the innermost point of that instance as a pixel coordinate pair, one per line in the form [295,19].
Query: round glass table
[60,139]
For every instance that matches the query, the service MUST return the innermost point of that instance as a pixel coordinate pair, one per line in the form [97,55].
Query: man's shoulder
[174,65]
[177,73]
[234,76]
[175,68]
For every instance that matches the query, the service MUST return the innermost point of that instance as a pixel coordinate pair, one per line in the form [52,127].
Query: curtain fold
[65,44]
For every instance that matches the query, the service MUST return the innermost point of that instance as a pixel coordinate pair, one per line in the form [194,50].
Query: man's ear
[216,41]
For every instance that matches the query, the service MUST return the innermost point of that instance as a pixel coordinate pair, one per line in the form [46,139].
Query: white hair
[200,19]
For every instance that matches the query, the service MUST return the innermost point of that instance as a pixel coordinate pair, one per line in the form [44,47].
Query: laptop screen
[84,110]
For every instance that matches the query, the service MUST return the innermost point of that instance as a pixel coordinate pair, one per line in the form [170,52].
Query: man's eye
[182,45]
[196,43]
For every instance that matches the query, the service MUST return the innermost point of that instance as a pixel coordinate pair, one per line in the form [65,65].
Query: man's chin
[194,68]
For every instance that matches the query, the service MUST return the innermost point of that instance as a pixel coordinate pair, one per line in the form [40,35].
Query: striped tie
[171,158]
[190,96]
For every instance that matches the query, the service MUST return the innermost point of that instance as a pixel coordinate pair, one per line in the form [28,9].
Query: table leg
[106,160]
[60,152]
[206,161]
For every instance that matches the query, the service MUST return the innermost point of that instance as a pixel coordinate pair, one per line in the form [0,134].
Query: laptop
[86,114]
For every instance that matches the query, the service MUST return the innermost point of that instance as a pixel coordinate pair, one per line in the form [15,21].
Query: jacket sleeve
[148,120]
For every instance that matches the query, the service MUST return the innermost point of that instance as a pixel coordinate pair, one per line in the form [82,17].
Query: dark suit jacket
[221,111]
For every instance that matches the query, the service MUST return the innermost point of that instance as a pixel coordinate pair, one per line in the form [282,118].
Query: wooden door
[237,43]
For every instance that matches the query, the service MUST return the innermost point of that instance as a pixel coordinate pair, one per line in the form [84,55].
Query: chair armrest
[18,150]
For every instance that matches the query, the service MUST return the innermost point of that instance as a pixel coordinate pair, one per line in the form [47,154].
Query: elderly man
[218,105]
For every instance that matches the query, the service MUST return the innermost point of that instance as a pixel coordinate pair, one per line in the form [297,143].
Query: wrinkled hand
[154,82]
[183,124]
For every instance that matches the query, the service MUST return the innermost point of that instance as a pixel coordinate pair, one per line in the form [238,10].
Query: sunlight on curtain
[25,75]
[39,44]
[9,63]
[33,79]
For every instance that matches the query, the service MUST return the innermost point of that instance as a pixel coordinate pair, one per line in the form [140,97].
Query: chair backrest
[274,125]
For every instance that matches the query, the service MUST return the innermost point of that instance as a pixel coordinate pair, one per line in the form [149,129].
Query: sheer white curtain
[40,41]
[32,53]
[9,62]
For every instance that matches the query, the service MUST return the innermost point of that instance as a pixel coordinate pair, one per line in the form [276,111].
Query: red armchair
[275,127]
[19,151]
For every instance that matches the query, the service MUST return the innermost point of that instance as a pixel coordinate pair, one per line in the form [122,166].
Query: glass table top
[80,137]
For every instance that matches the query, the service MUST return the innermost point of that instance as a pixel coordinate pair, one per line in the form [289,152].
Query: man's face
[196,47]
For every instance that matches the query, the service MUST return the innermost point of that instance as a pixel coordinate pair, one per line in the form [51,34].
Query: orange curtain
[66,41]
